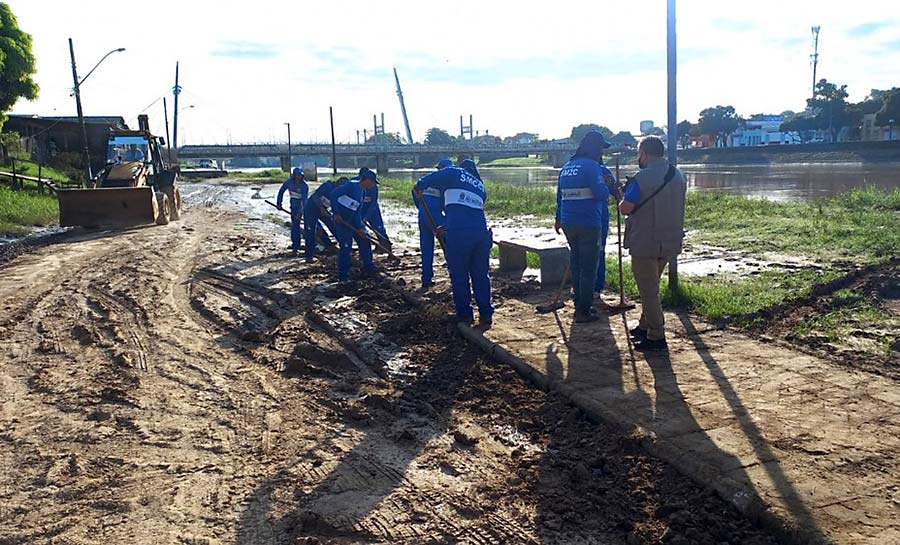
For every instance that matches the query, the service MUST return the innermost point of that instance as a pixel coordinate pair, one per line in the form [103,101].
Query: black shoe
[293,253]
[638,334]
[586,318]
[648,345]
[484,324]
[461,319]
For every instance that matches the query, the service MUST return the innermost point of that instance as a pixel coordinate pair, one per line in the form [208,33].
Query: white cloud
[525,66]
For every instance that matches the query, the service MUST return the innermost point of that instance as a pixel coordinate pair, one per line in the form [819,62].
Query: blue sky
[529,66]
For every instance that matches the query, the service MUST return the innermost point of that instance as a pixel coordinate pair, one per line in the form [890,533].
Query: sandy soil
[191,384]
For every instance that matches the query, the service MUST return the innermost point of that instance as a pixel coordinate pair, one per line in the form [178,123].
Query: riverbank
[20,211]
[808,250]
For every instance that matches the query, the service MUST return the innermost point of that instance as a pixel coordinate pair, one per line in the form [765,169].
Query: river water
[795,182]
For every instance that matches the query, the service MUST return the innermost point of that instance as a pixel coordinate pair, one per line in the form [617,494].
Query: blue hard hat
[444,163]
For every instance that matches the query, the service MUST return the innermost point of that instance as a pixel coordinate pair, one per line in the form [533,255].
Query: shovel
[622,306]
[556,304]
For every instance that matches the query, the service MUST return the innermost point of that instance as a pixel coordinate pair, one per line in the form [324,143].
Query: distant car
[207,163]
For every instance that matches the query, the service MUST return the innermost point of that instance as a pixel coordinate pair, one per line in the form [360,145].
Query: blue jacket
[347,201]
[369,202]
[322,192]
[582,193]
[298,192]
[464,197]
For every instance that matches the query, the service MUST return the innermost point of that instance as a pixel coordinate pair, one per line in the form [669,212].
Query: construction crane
[409,138]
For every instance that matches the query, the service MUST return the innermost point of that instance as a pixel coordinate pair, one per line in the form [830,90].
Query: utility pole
[85,154]
[290,162]
[672,63]
[168,141]
[815,57]
[176,91]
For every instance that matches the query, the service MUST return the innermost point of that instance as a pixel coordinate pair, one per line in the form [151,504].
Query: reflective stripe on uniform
[348,202]
[296,194]
[432,192]
[580,194]
[463,197]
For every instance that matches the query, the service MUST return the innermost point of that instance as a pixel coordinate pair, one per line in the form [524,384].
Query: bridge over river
[420,154]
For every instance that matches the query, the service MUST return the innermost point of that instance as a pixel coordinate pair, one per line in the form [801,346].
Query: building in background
[46,137]
[762,130]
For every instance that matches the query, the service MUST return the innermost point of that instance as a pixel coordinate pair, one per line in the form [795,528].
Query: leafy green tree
[623,139]
[16,63]
[581,130]
[438,137]
[829,108]
[387,138]
[719,121]
[889,115]
[684,133]
[802,124]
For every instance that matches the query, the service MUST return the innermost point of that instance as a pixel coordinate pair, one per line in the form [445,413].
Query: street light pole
[86,158]
[290,163]
[85,155]
[672,54]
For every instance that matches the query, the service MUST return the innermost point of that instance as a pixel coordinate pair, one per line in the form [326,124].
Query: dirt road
[189,384]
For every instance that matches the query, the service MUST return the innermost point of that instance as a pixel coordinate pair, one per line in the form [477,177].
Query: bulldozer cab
[134,159]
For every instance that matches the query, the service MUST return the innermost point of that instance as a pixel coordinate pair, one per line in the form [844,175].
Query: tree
[623,139]
[889,114]
[581,130]
[438,137]
[684,133]
[829,107]
[719,122]
[388,138]
[16,63]
[802,124]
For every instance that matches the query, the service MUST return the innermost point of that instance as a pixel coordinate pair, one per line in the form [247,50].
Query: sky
[247,68]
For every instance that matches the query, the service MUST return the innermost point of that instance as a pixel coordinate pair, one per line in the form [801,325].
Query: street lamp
[183,108]
[85,153]
[289,146]
[891,125]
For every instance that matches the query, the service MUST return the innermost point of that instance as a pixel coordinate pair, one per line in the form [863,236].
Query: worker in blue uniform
[346,208]
[467,237]
[371,213]
[581,213]
[433,199]
[315,213]
[298,189]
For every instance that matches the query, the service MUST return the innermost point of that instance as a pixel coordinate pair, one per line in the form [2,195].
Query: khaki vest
[657,229]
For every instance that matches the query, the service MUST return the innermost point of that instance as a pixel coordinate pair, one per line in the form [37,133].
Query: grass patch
[22,209]
[504,200]
[861,226]
[516,162]
[270,175]
[532,259]
[855,322]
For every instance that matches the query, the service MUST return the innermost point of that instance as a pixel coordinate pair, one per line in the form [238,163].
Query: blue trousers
[311,226]
[426,243]
[584,253]
[377,223]
[296,227]
[601,266]
[468,259]
[345,237]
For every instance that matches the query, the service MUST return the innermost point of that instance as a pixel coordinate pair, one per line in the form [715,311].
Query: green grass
[268,175]
[861,226]
[853,313]
[22,209]
[504,200]
[516,162]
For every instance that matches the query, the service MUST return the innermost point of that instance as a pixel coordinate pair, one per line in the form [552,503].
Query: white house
[762,130]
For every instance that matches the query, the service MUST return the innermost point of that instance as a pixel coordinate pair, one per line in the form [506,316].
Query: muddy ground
[191,384]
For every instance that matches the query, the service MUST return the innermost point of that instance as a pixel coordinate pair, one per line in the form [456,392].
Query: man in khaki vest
[654,230]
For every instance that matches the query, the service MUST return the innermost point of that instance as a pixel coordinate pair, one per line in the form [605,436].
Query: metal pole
[672,51]
[290,163]
[168,141]
[85,154]
[175,91]
[333,147]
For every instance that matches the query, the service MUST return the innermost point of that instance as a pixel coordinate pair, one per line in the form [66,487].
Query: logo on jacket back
[570,171]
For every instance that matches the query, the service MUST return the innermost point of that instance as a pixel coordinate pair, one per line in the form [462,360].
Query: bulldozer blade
[107,207]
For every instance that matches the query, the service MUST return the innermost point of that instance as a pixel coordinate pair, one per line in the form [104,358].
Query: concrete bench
[554,256]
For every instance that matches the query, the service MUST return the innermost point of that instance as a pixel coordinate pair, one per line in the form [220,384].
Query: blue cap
[296,171]
[368,175]
[444,163]
[363,170]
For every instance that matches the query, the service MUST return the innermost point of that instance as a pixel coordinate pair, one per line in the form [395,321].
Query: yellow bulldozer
[137,186]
